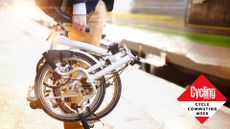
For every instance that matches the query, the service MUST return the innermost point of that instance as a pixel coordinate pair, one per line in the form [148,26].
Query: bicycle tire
[109,108]
[38,81]
[84,121]
[39,65]
[113,103]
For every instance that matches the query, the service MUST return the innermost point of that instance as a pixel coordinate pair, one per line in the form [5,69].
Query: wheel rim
[60,112]
[110,100]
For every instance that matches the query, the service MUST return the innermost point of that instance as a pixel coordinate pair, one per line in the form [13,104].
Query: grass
[203,38]
[147,17]
[217,40]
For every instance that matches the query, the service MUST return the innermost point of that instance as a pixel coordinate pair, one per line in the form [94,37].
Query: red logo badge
[202,99]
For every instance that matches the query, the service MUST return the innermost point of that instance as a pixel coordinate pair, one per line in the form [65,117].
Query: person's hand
[79,22]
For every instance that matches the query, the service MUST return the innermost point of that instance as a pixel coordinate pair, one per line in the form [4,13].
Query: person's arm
[79,15]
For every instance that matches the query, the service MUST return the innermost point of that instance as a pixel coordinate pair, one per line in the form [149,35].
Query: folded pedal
[34,102]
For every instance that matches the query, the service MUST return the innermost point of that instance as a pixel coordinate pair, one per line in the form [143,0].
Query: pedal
[30,98]
[34,103]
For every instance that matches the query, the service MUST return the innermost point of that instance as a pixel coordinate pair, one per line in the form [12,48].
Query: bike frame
[116,59]
[111,60]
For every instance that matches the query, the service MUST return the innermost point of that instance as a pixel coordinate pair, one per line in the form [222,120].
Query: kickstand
[84,121]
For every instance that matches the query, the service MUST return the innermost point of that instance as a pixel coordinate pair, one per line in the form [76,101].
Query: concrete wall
[209,12]
[168,7]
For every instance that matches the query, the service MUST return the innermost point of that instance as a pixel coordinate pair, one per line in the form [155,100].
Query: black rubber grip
[49,61]
[84,121]
[87,30]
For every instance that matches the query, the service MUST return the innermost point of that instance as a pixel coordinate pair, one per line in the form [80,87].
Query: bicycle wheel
[40,64]
[48,87]
[112,96]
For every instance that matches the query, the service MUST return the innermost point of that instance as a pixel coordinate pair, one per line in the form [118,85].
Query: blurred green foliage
[196,37]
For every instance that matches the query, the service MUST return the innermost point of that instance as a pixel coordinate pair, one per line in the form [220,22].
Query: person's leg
[95,22]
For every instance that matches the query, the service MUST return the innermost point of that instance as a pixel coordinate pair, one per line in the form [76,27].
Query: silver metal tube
[71,71]
[80,45]
[110,68]
[94,67]
[90,69]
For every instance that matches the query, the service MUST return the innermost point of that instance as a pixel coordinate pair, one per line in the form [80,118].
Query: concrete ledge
[181,60]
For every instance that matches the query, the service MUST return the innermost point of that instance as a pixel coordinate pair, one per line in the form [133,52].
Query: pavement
[147,101]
